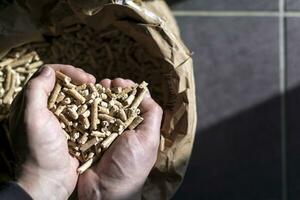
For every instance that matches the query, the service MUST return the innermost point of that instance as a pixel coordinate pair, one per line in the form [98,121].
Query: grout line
[207,13]
[282,87]
[292,14]
[204,13]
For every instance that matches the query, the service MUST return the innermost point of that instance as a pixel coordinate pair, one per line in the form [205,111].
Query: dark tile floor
[238,134]
[236,68]
[238,148]
[293,99]
[293,4]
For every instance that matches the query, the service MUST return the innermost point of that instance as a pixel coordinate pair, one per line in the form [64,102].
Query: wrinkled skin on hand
[46,170]
[124,167]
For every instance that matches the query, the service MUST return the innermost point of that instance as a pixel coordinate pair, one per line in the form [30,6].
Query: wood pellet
[89,127]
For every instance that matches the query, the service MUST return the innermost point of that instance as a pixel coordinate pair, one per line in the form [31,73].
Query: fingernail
[45,71]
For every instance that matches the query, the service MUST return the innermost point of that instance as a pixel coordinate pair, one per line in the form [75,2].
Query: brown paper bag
[151,27]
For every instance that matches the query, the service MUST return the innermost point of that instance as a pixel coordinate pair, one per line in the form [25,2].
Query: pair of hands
[47,171]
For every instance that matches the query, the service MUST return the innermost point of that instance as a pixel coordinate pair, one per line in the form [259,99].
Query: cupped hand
[45,169]
[125,166]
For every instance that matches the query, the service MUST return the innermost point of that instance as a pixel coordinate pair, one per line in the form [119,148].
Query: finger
[37,89]
[92,77]
[80,69]
[144,105]
[149,129]
[88,185]
[36,113]
[105,83]
[119,82]
[78,76]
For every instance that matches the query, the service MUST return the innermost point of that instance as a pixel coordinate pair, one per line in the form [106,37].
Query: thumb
[37,89]
[149,129]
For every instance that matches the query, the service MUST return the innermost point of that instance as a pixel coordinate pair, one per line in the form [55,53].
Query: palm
[38,138]
[54,144]
[124,167]
[120,162]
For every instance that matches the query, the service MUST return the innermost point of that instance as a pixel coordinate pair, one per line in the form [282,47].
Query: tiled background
[246,55]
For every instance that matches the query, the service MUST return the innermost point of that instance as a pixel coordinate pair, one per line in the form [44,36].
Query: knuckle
[130,81]
[117,81]
[31,85]
[69,66]
[80,69]
[129,136]
[157,109]
[59,67]
[152,146]
[150,143]
[106,80]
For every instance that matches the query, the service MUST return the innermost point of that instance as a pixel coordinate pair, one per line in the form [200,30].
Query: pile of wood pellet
[15,70]
[111,54]
[92,116]
[108,54]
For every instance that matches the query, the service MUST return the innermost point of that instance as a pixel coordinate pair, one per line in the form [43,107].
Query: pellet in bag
[138,40]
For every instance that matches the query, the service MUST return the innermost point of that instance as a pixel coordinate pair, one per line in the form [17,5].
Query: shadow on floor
[240,157]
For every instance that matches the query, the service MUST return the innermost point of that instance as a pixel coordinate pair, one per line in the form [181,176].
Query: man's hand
[124,167]
[46,170]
